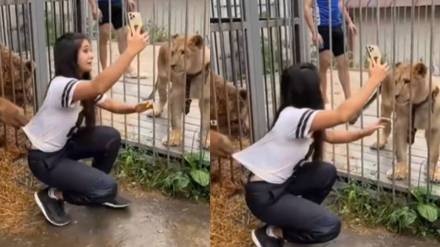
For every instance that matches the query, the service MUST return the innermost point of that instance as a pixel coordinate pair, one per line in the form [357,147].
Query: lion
[11,114]
[229,108]
[190,56]
[221,145]
[396,90]
[16,77]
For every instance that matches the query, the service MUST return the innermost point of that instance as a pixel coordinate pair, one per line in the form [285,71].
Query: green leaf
[182,182]
[428,211]
[201,177]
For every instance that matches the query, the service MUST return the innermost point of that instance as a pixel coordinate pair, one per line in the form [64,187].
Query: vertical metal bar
[110,56]
[40,45]
[263,47]
[410,91]
[203,139]
[224,65]
[255,67]
[345,38]
[62,14]
[272,63]
[124,81]
[154,78]
[48,38]
[185,45]
[378,97]
[431,47]
[332,99]
[240,59]
[394,103]
[168,86]
[361,75]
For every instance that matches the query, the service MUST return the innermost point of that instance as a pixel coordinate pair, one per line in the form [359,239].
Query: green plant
[192,180]
[157,33]
[416,213]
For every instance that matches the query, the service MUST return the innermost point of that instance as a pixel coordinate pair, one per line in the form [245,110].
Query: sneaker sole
[111,205]
[255,239]
[40,205]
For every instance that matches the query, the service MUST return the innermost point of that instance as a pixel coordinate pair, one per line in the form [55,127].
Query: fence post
[40,51]
[304,40]
[256,84]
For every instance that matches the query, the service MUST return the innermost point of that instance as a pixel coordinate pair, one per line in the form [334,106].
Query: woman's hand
[141,107]
[369,130]
[378,72]
[137,41]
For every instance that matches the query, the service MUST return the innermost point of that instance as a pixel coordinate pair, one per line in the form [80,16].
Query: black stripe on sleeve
[298,127]
[306,120]
[66,92]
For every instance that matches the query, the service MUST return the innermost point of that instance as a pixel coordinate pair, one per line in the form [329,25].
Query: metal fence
[250,49]
[251,42]
[30,30]
[16,61]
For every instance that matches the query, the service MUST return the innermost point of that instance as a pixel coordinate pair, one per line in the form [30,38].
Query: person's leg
[341,61]
[104,37]
[68,180]
[324,65]
[101,143]
[324,61]
[300,220]
[104,33]
[313,181]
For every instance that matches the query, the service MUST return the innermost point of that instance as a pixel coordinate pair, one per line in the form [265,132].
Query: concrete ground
[151,220]
[373,238]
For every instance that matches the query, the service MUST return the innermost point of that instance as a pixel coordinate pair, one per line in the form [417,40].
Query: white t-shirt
[48,129]
[274,156]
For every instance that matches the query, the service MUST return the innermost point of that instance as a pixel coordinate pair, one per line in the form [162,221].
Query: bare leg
[344,75]
[104,37]
[324,65]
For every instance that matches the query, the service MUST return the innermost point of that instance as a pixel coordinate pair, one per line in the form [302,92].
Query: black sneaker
[261,239]
[52,209]
[117,202]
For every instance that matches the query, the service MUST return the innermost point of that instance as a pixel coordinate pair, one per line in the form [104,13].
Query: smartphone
[373,53]
[135,21]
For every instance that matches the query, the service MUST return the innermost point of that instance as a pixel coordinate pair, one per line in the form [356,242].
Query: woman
[59,138]
[285,190]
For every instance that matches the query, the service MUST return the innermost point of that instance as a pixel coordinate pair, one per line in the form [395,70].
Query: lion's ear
[197,40]
[420,69]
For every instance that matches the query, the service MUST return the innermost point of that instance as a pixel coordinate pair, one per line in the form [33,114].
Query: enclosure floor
[373,165]
[139,128]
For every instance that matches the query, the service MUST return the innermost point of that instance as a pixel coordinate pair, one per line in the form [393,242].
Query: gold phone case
[135,20]
[373,53]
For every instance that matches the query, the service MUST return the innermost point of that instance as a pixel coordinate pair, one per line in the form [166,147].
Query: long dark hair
[300,88]
[66,64]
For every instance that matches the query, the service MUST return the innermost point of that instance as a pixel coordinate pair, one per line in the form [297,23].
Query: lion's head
[410,83]
[17,76]
[189,54]
[230,108]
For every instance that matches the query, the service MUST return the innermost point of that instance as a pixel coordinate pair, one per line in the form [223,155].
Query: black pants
[295,205]
[337,40]
[80,183]
[116,15]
